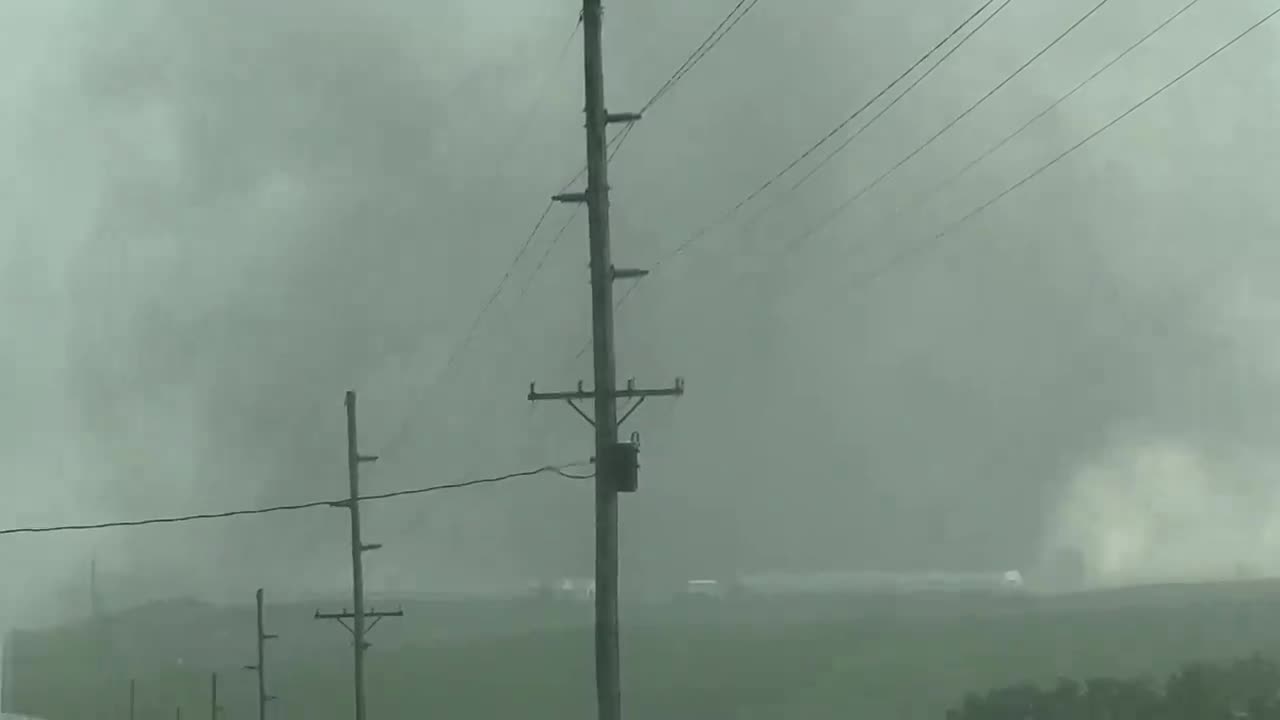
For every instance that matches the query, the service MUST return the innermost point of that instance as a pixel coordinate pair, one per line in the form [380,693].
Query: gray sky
[220,221]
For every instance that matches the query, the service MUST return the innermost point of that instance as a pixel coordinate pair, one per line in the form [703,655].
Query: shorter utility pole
[261,666]
[133,699]
[358,614]
[214,707]
[177,713]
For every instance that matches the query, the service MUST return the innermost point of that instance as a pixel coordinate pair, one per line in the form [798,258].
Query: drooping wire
[731,19]
[926,195]
[934,241]
[561,470]
[898,98]
[732,211]
[853,116]
[615,144]
[836,212]
[463,344]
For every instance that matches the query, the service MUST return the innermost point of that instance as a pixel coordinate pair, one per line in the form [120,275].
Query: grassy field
[793,658]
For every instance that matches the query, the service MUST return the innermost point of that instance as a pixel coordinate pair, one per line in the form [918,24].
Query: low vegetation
[777,659]
[1246,689]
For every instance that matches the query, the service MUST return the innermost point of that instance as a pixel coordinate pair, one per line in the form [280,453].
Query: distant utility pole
[214,707]
[95,600]
[616,463]
[177,713]
[358,614]
[133,699]
[260,667]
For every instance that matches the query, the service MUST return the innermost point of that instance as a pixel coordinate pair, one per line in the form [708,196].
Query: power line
[524,246]
[535,105]
[727,215]
[948,181]
[615,144]
[726,25]
[731,19]
[675,75]
[857,133]
[460,348]
[933,242]
[547,253]
[856,113]
[919,149]
[920,199]
[711,46]
[561,470]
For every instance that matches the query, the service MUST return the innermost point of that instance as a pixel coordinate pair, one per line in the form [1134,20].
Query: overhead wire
[717,34]
[898,98]
[540,96]
[524,246]
[932,242]
[561,470]
[926,195]
[464,343]
[615,144]
[856,113]
[814,147]
[833,214]
[727,23]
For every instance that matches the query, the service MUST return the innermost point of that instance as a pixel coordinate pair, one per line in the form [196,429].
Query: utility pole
[177,713]
[213,696]
[95,601]
[214,707]
[358,614]
[616,463]
[261,667]
[133,699]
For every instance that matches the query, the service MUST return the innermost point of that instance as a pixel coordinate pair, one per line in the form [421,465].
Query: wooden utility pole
[261,667]
[357,615]
[214,707]
[615,462]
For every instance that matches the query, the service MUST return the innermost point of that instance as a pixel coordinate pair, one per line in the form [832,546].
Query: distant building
[704,588]
[880,582]
[574,589]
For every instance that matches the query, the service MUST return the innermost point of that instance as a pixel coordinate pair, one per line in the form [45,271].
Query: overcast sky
[221,217]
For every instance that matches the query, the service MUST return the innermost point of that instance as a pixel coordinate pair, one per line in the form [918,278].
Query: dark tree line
[1245,689]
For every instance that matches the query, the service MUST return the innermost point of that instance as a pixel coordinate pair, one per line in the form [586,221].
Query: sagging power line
[923,197]
[857,195]
[729,214]
[861,282]
[561,470]
[730,20]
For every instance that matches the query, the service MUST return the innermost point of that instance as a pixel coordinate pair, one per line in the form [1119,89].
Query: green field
[793,658]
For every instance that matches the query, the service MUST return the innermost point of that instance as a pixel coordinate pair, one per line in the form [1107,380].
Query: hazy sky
[223,216]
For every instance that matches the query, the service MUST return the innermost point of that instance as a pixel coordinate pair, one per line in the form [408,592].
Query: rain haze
[224,215]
